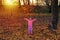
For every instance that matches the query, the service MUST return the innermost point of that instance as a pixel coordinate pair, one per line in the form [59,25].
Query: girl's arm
[33,19]
[26,19]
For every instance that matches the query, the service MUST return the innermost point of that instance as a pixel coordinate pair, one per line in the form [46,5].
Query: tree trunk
[32,2]
[47,2]
[19,3]
[37,2]
[54,7]
[54,10]
[24,2]
[28,2]
[48,6]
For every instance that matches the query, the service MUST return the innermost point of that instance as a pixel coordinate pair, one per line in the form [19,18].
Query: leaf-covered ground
[15,28]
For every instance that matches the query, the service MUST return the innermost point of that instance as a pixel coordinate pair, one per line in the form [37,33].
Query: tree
[48,2]
[19,3]
[37,2]
[32,2]
[28,2]
[54,10]
[24,1]
[1,3]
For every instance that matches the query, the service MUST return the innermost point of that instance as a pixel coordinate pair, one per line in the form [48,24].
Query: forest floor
[14,27]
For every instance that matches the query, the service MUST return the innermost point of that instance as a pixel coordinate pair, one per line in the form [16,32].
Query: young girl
[30,21]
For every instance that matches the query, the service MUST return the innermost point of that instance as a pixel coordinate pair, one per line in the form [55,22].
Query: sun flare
[10,2]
